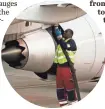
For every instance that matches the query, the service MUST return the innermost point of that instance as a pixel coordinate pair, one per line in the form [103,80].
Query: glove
[58,33]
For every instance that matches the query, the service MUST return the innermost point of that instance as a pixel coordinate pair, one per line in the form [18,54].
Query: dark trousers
[65,85]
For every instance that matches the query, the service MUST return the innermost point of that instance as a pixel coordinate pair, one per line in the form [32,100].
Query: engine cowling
[38,52]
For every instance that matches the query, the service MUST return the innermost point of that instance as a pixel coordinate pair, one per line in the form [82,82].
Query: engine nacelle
[39,51]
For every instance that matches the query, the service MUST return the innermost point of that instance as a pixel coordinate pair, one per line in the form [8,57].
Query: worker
[64,82]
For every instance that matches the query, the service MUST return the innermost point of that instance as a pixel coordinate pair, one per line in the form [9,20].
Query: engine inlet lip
[20,67]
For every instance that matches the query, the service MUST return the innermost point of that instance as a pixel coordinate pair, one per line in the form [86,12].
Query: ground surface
[33,89]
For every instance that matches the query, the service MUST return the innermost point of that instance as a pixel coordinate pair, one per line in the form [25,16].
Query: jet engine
[35,52]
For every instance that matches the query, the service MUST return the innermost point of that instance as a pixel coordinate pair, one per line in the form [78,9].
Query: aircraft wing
[51,13]
[43,13]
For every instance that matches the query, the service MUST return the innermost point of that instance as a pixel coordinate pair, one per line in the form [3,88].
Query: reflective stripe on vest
[60,57]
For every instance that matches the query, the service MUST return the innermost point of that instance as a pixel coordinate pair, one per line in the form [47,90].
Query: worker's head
[68,33]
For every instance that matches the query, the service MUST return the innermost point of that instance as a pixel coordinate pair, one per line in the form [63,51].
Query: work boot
[71,103]
[63,103]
